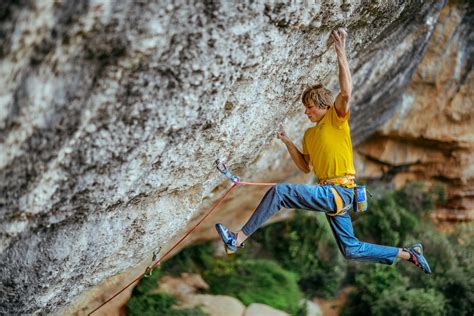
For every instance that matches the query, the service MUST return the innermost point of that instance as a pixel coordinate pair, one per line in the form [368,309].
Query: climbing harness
[148,271]
[346,181]
[360,203]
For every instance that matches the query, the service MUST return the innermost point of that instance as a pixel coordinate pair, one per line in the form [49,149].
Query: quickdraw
[149,269]
[223,169]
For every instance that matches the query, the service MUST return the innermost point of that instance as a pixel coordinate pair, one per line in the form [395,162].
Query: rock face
[257,309]
[215,305]
[112,113]
[182,286]
[431,137]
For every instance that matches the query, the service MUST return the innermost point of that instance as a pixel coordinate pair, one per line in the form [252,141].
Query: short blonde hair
[320,96]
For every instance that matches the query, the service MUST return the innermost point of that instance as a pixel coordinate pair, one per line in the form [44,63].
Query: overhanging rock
[112,113]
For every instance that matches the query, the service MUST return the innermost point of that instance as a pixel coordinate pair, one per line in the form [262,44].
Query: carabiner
[223,169]
[155,254]
[220,166]
[148,271]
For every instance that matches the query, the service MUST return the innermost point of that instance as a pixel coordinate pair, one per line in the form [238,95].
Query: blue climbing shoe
[229,238]
[417,258]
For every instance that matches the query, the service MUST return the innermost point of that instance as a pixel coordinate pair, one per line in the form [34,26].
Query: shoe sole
[423,259]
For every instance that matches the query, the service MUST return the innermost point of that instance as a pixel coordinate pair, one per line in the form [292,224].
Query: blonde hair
[320,96]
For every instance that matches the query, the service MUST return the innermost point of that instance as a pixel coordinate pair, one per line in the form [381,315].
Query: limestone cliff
[112,113]
[431,136]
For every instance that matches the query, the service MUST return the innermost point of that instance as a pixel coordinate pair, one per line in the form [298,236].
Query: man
[327,148]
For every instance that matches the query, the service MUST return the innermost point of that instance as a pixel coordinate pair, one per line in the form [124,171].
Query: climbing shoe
[417,258]
[229,238]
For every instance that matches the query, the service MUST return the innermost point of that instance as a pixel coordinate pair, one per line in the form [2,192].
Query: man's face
[314,112]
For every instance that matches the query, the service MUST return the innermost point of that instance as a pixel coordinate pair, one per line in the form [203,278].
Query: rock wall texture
[112,113]
[431,136]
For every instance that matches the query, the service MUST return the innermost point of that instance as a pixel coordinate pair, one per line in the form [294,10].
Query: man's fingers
[342,32]
[339,32]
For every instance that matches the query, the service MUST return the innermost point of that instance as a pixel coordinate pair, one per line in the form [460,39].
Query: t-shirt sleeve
[335,119]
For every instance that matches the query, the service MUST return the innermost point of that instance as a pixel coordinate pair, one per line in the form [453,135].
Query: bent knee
[351,253]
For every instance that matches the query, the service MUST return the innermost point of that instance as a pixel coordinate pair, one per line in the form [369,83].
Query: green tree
[386,222]
[412,302]
[255,281]
[306,246]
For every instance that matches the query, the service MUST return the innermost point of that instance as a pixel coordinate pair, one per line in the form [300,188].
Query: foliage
[146,301]
[158,304]
[192,259]
[418,199]
[458,287]
[386,222]
[375,279]
[371,281]
[382,290]
[458,281]
[255,281]
[306,246]
[148,285]
[448,290]
[416,302]
[453,271]
[250,280]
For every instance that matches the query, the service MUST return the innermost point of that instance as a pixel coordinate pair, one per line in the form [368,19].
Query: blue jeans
[320,198]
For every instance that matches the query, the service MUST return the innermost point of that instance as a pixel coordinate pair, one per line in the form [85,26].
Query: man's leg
[300,196]
[352,248]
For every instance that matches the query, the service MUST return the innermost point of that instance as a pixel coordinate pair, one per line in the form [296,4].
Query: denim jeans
[320,198]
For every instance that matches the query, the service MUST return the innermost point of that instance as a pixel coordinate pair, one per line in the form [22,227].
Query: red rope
[256,183]
[182,238]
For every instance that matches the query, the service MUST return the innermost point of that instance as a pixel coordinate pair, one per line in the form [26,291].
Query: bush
[306,246]
[457,285]
[255,281]
[145,301]
[386,222]
[417,198]
[250,280]
[448,290]
[371,281]
[416,302]
[192,259]
[375,279]
[148,285]
[382,290]
[158,304]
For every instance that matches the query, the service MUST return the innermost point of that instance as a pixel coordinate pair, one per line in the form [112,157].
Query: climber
[327,148]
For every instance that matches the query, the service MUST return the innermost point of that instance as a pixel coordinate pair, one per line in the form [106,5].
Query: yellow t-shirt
[330,147]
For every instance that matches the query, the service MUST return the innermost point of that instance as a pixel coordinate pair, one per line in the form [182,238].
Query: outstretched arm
[345,80]
[300,160]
